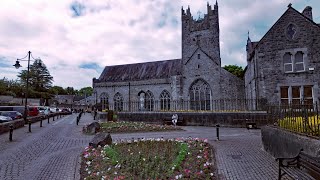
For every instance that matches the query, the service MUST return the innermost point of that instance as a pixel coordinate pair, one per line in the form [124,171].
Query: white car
[5,118]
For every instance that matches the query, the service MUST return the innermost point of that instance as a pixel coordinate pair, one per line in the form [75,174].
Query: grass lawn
[150,159]
[127,127]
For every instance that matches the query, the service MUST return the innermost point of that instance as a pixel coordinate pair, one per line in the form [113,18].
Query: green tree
[70,91]
[40,79]
[235,70]
[57,90]
[86,91]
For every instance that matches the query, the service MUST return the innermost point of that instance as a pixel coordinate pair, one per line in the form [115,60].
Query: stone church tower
[196,81]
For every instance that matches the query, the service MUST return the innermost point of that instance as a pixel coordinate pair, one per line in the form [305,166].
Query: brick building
[195,81]
[283,67]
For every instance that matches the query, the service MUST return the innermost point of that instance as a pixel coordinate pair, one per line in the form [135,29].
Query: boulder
[101,139]
[91,128]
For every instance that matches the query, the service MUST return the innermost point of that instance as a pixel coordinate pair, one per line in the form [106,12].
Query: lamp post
[17,66]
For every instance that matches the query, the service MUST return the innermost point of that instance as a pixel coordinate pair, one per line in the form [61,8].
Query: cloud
[74,36]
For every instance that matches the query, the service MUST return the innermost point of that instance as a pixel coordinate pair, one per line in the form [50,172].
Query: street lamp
[17,66]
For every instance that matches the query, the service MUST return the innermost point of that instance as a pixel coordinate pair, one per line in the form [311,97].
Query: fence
[297,118]
[182,105]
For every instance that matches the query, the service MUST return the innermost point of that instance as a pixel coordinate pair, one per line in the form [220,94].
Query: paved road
[52,152]
[49,153]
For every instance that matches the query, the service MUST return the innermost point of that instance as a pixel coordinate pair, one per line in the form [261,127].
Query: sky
[76,39]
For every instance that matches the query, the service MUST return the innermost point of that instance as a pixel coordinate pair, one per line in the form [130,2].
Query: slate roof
[141,71]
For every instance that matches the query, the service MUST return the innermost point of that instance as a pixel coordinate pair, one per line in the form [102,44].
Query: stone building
[283,67]
[196,81]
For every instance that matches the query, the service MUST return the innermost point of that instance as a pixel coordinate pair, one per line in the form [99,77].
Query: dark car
[13,114]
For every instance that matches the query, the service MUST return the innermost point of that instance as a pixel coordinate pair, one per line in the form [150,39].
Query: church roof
[141,71]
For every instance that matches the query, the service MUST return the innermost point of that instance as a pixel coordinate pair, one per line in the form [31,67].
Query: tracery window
[200,95]
[149,101]
[104,99]
[165,100]
[118,102]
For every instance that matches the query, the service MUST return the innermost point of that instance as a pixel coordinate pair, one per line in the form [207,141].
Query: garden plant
[190,158]
[125,127]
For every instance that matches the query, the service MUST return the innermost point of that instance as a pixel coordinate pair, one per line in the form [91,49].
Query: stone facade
[196,79]
[283,66]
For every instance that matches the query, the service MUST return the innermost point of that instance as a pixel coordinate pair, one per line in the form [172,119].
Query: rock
[101,139]
[91,128]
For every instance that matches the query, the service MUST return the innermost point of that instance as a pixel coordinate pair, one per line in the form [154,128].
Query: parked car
[5,119]
[33,111]
[12,114]
[43,109]
[20,109]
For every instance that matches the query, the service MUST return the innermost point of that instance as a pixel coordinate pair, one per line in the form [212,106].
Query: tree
[57,90]
[40,79]
[235,70]
[86,91]
[70,91]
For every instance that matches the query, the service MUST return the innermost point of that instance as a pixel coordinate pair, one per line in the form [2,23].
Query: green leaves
[235,70]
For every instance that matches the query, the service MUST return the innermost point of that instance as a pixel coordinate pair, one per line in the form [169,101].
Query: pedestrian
[174,119]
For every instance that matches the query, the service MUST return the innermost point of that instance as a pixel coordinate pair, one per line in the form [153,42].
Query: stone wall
[227,119]
[282,143]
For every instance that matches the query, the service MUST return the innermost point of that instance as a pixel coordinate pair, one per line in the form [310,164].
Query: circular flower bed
[150,159]
[123,126]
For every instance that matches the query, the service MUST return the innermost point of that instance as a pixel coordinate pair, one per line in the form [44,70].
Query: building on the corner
[196,81]
[283,67]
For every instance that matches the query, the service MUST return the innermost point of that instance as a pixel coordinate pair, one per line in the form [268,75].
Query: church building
[194,82]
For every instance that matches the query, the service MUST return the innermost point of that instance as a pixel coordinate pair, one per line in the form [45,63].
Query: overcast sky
[76,39]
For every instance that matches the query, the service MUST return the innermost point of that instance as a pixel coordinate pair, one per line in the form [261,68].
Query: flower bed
[150,159]
[122,126]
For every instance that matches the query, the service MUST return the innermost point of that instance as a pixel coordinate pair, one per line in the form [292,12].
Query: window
[165,100]
[200,95]
[198,56]
[287,62]
[296,95]
[284,95]
[293,62]
[104,101]
[118,102]
[299,65]
[149,101]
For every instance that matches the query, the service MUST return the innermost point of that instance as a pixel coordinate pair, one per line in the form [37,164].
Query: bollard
[41,122]
[11,131]
[48,119]
[29,125]
[78,120]
[53,117]
[217,128]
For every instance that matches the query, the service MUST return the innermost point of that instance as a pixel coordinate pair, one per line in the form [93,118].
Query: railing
[297,118]
[219,105]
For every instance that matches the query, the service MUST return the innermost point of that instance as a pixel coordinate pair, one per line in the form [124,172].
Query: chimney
[308,12]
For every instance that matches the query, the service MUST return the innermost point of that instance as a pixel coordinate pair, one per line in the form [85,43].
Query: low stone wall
[226,119]
[282,143]
[5,127]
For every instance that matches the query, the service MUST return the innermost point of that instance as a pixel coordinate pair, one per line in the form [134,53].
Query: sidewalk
[50,152]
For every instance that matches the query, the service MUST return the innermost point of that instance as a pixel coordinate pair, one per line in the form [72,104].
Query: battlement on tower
[205,23]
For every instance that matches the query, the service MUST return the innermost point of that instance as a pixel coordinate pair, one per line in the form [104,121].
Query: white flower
[109,169]
[144,159]
[88,163]
[199,157]
[89,172]
[211,174]
[115,173]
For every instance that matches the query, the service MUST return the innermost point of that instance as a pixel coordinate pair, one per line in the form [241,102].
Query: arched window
[104,99]
[149,101]
[298,58]
[118,102]
[287,62]
[200,95]
[165,100]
